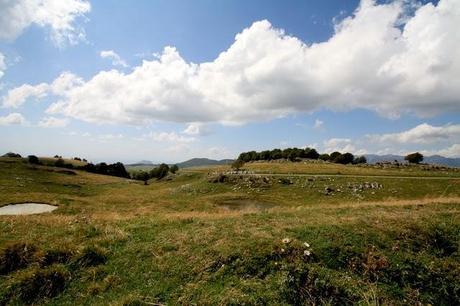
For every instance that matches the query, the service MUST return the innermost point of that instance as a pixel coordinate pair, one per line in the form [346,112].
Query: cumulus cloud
[342,145]
[390,58]
[197,129]
[57,16]
[116,59]
[421,134]
[19,95]
[53,122]
[172,137]
[2,65]
[12,119]
[452,151]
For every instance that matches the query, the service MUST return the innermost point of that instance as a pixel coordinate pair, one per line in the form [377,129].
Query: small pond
[26,209]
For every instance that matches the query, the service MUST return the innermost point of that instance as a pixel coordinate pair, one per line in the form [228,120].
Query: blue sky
[171,80]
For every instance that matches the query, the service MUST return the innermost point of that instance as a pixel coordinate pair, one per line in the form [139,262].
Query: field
[296,234]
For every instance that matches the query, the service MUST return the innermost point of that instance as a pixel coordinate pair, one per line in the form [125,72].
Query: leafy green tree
[335,156]
[360,160]
[324,157]
[174,169]
[414,158]
[344,159]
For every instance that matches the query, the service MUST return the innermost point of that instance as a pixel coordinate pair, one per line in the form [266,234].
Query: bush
[32,159]
[237,164]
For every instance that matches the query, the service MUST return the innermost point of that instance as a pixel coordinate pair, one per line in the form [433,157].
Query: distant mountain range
[194,162]
[434,159]
[371,159]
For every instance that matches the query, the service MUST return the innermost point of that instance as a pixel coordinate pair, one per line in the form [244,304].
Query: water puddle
[26,209]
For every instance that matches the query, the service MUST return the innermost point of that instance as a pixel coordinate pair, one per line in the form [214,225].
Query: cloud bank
[58,16]
[391,58]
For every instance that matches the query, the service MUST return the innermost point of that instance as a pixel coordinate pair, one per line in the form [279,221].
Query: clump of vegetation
[116,169]
[414,158]
[90,256]
[17,256]
[296,154]
[237,164]
[37,284]
[12,155]
[32,159]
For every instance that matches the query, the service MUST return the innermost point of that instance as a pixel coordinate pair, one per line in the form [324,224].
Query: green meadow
[278,234]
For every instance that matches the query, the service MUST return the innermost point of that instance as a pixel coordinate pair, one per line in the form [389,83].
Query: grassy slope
[170,242]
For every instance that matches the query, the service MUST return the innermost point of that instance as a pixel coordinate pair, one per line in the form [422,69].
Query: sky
[169,80]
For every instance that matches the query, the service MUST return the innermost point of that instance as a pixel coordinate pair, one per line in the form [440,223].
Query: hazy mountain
[434,159]
[197,162]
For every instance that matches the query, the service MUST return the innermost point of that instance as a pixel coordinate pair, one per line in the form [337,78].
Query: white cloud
[197,128]
[53,122]
[12,119]
[421,134]
[385,57]
[318,124]
[342,145]
[116,59]
[452,151]
[57,16]
[2,65]
[169,137]
[19,95]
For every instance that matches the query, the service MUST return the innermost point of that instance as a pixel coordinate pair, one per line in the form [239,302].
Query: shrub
[237,164]
[32,159]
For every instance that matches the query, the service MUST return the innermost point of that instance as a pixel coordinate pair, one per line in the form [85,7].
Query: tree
[414,158]
[344,159]
[237,164]
[324,157]
[160,172]
[117,169]
[335,156]
[142,176]
[360,160]
[174,169]
[33,160]
[311,153]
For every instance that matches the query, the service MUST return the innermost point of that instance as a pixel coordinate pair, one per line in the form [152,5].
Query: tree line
[297,154]
[115,169]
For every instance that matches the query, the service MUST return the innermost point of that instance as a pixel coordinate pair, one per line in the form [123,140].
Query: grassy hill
[299,233]
[201,162]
